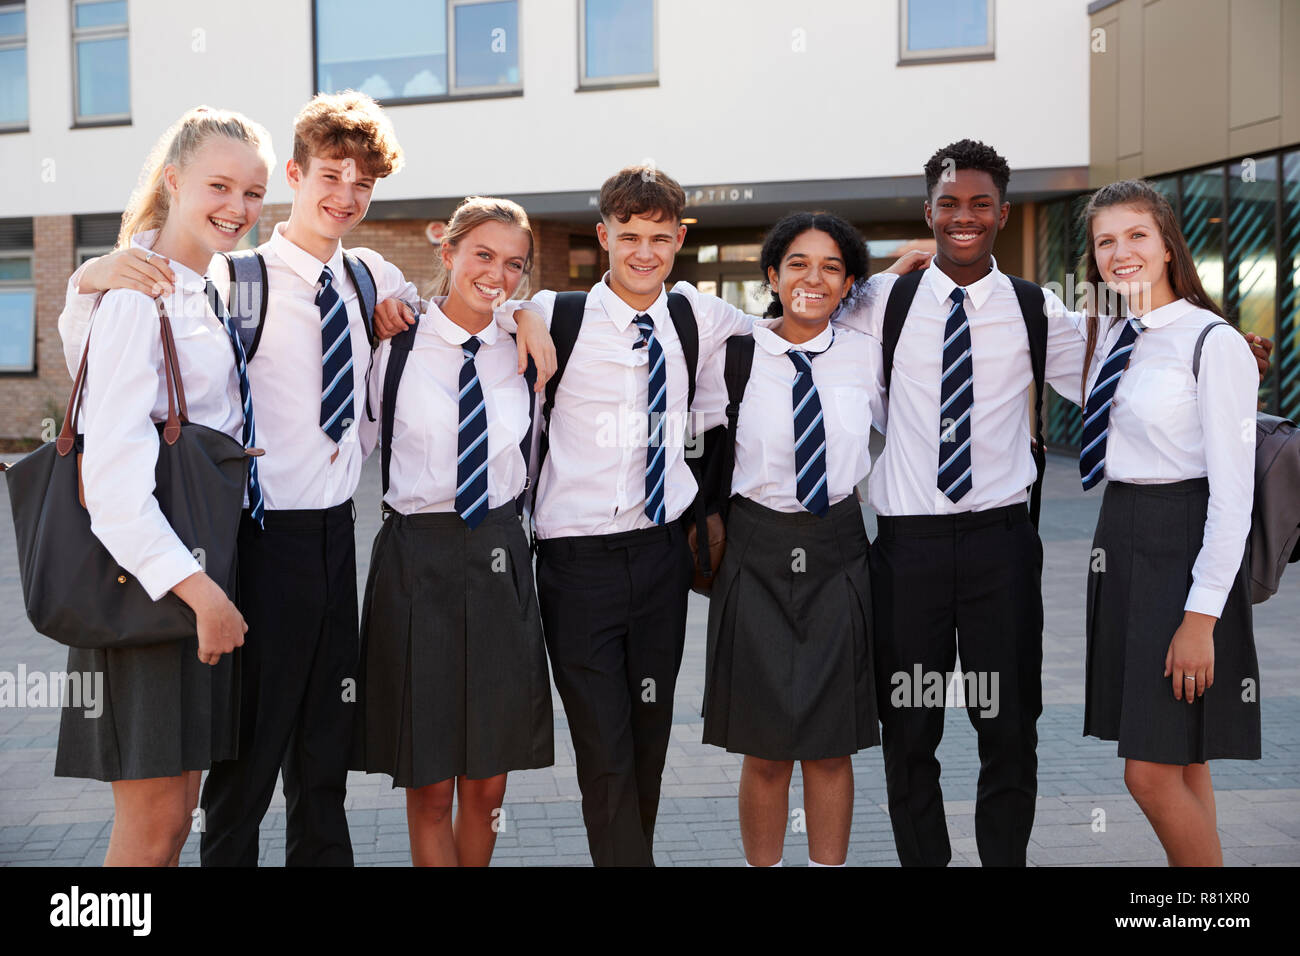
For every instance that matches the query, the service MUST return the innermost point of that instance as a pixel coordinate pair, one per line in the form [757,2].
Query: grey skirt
[452,677]
[789,660]
[1147,539]
[163,711]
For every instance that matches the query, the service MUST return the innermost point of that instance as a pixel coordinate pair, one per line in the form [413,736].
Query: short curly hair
[779,238]
[347,125]
[642,190]
[968,154]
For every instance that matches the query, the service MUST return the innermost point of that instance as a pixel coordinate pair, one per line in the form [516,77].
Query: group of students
[809,622]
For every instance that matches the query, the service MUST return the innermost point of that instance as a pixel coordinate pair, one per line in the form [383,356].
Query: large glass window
[417,62]
[617,42]
[1287,355]
[100,61]
[17,313]
[1250,292]
[13,66]
[945,30]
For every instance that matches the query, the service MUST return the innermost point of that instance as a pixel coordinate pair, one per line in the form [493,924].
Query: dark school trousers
[971,583]
[298,594]
[614,614]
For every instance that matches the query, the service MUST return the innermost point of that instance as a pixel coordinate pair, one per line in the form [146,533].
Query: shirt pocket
[509,404]
[1156,396]
[852,408]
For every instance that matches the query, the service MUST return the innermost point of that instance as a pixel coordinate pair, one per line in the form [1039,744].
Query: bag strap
[1033,308]
[526,444]
[246,301]
[67,439]
[1200,342]
[566,321]
[688,333]
[178,412]
[897,306]
[399,351]
[364,282]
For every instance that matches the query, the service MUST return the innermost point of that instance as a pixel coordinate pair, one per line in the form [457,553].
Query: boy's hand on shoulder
[532,339]
[1262,349]
[137,269]
[910,262]
[392,316]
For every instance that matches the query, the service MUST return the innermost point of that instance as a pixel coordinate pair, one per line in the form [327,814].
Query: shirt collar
[622,314]
[455,334]
[1166,314]
[186,278]
[977,292]
[303,263]
[773,344]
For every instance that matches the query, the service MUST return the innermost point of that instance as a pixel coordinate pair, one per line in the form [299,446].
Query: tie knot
[471,346]
[958,294]
[646,326]
[326,277]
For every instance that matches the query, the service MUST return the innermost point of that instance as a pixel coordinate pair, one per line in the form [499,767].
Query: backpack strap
[1033,307]
[715,485]
[398,353]
[566,321]
[688,333]
[246,300]
[896,309]
[1200,342]
[364,282]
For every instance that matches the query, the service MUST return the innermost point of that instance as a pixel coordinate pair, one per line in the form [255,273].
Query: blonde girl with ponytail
[169,710]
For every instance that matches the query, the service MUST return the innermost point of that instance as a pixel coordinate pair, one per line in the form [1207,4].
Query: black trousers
[614,614]
[971,582]
[298,593]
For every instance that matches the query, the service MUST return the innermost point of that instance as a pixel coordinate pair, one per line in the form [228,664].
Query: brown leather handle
[68,433]
[177,412]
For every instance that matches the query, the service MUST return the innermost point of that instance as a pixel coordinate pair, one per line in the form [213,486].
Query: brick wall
[27,399]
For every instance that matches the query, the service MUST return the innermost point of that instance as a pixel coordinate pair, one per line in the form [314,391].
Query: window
[13,66]
[417,63]
[101,75]
[931,30]
[618,43]
[17,312]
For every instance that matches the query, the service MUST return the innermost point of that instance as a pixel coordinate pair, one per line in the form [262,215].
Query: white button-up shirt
[125,394]
[850,381]
[302,468]
[422,472]
[593,480]
[1167,426]
[905,478]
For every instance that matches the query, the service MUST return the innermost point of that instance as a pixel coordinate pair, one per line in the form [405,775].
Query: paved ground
[55,821]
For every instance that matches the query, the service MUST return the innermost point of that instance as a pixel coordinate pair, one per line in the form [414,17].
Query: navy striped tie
[255,504]
[471,441]
[956,395]
[336,412]
[1096,411]
[809,435]
[657,407]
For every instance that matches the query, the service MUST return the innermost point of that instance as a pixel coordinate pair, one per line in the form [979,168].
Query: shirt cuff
[160,574]
[1206,600]
[506,314]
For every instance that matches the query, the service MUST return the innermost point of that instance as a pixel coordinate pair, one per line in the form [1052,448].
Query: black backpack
[399,351]
[1033,307]
[247,298]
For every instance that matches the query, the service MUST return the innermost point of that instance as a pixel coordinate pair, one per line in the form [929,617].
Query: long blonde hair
[150,200]
[472,212]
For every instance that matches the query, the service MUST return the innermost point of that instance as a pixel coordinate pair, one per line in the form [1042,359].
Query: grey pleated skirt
[163,712]
[788,672]
[1147,539]
[452,678]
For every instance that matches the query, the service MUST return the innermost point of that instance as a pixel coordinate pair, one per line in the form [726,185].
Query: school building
[758,107]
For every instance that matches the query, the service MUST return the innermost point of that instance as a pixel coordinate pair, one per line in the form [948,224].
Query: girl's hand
[221,627]
[391,317]
[1261,348]
[531,338]
[1191,655]
[132,268]
[910,261]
